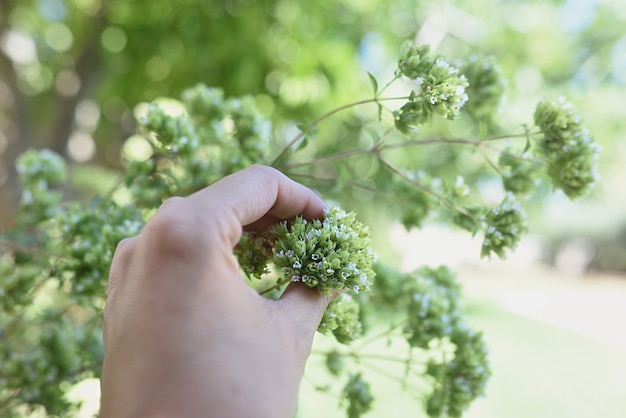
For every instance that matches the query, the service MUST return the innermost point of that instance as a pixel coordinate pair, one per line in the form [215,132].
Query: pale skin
[185,336]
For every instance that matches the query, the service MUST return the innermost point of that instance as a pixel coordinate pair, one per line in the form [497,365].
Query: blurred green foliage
[83,65]
[75,73]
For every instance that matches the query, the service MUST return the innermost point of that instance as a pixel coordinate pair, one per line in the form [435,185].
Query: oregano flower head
[459,381]
[433,307]
[341,318]
[331,254]
[486,87]
[43,166]
[357,393]
[570,153]
[518,173]
[505,224]
[440,88]
[38,171]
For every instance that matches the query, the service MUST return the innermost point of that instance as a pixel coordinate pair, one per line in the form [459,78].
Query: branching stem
[327,115]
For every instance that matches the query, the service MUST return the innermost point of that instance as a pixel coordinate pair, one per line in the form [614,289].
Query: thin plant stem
[412,391]
[378,147]
[277,286]
[357,355]
[425,189]
[393,80]
[327,115]
[375,337]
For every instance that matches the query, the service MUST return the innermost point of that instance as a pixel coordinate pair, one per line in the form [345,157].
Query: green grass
[542,371]
[539,371]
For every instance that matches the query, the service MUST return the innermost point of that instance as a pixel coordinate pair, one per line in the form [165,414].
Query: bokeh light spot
[81,147]
[59,37]
[113,39]
[157,68]
[87,115]
[136,148]
[19,47]
[67,83]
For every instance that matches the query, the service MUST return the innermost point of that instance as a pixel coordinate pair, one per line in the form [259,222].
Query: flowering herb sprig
[570,153]
[342,319]
[505,224]
[460,380]
[332,254]
[358,396]
[439,88]
[63,250]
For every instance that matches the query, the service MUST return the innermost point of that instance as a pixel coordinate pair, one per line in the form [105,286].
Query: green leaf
[469,219]
[526,131]
[309,133]
[374,83]
[303,143]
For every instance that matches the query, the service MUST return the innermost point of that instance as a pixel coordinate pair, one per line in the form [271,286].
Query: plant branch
[412,391]
[327,115]
[378,147]
[278,285]
[375,337]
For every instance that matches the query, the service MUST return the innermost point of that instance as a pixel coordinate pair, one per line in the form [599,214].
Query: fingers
[201,230]
[120,262]
[304,306]
[257,195]
[119,268]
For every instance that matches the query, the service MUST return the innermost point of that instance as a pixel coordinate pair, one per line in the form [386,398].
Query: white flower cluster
[332,253]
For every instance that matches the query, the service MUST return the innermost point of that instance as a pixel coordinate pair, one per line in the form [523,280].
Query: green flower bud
[334,362]
[204,103]
[342,319]
[331,254]
[413,60]
[518,174]
[486,87]
[470,219]
[40,168]
[173,133]
[433,307]
[254,252]
[357,393]
[457,382]
[504,227]
[569,151]
[412,115]
[440,89]
[574,174]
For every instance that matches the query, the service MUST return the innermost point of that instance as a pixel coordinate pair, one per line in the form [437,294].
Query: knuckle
[173,200]
[263,171]
[124,251]
[172,231]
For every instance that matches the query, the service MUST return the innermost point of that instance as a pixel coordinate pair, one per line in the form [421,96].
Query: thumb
[304,306]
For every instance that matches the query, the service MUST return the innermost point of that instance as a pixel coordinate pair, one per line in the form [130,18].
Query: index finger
[247,196]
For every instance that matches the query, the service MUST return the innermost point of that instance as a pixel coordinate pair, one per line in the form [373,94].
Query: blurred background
[74,74]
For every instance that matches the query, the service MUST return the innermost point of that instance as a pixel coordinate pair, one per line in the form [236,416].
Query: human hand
[185,336]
